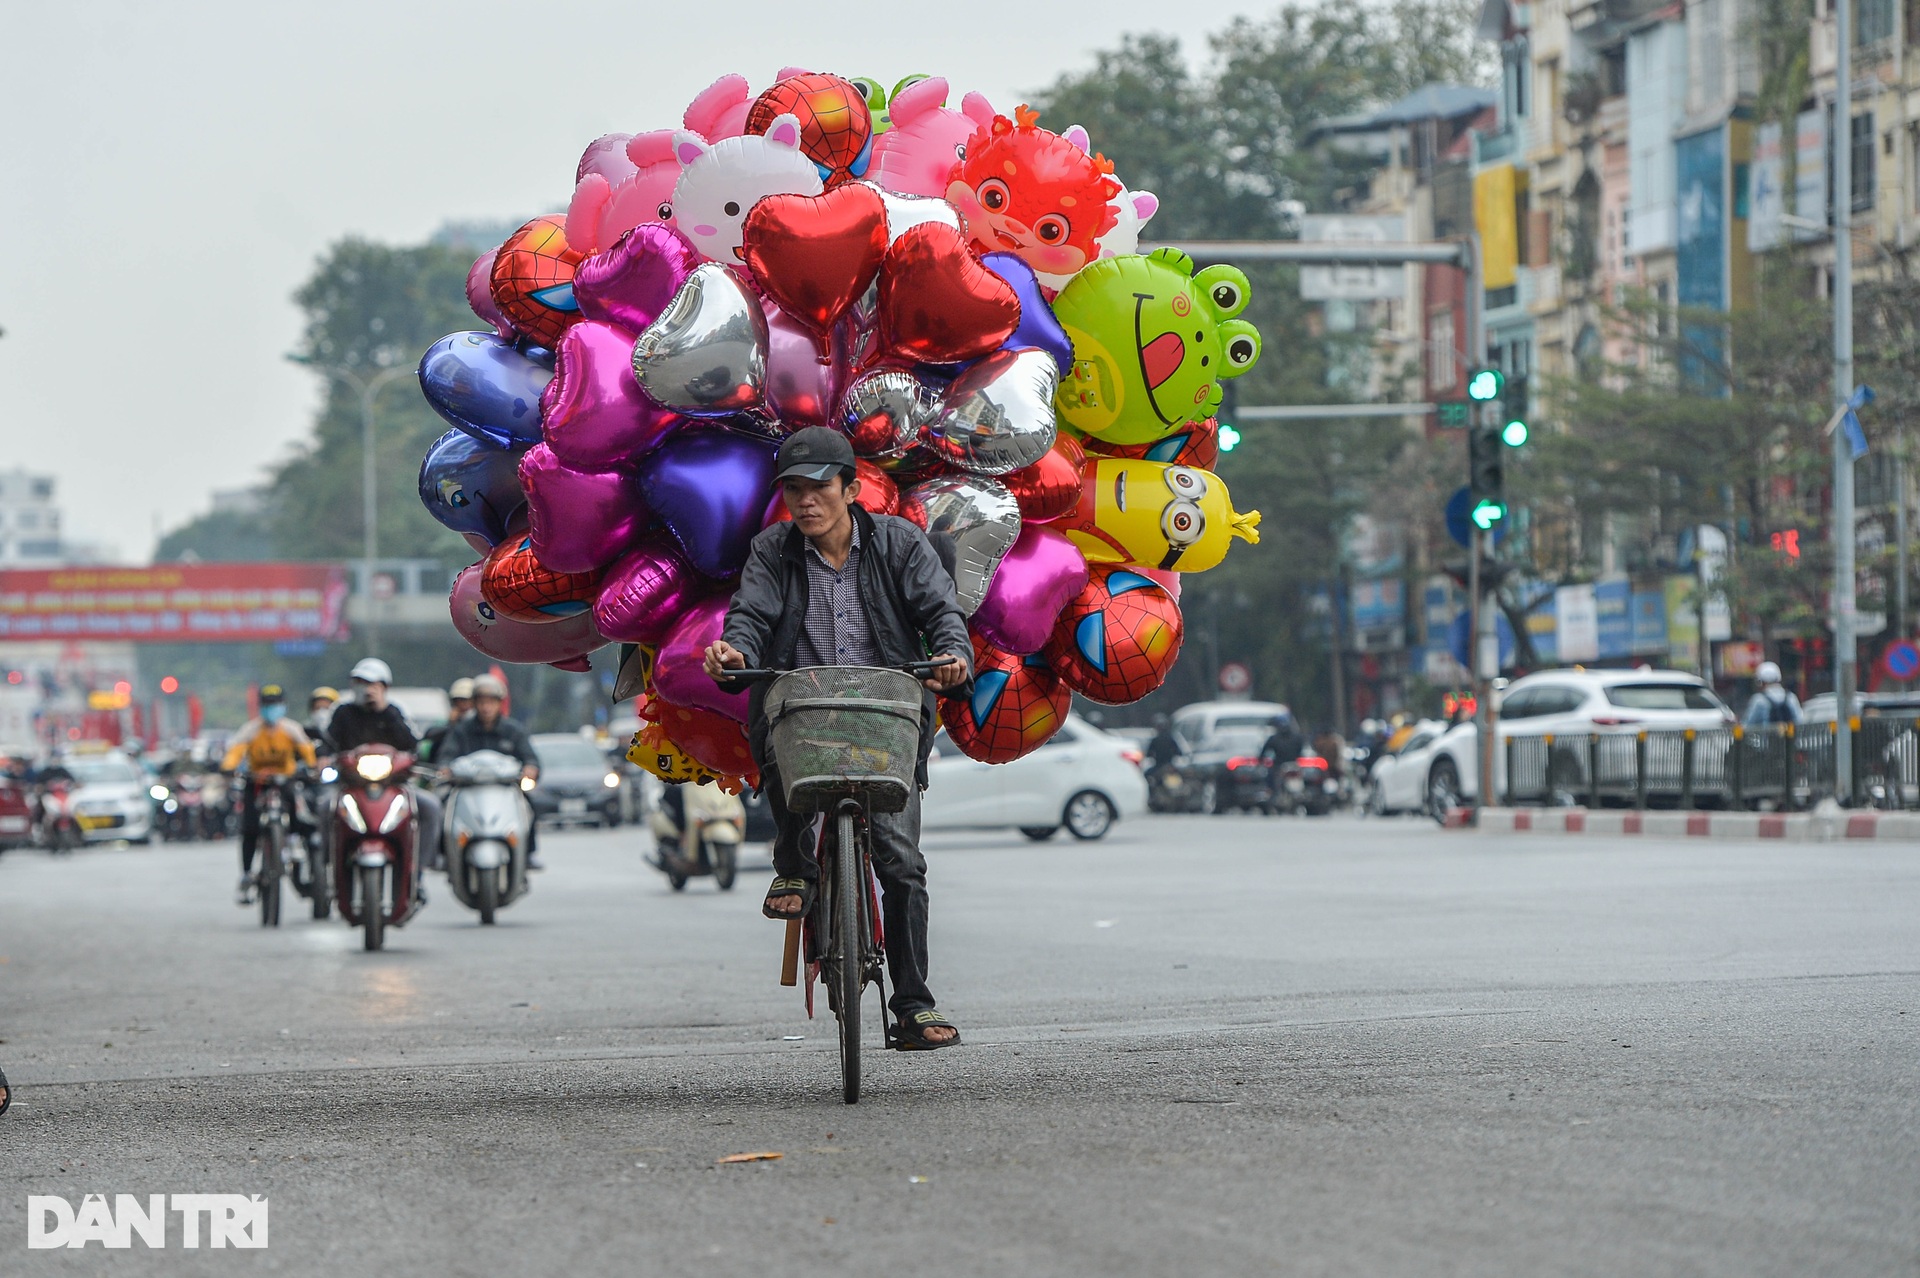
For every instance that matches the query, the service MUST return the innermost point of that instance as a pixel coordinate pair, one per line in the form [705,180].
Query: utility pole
[368,390]
[1845,657]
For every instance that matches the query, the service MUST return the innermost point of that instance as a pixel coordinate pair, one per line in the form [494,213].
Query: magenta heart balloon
[709,487]
[480,294]
[522,642]
[593,413]
[632,282]
[800,390]
[1038,577]
[579,520]
[678,675]
[644,593]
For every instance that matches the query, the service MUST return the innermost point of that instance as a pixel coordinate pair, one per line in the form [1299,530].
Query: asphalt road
[1225,1045]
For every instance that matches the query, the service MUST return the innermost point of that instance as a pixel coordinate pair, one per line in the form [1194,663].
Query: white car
[1558,703]
[110,798]
[1399,780]
[1083,779]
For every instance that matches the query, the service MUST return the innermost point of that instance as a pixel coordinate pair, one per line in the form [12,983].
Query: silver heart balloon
[998,414]
[981,520]
[904,211]
[884,412]
[706,356]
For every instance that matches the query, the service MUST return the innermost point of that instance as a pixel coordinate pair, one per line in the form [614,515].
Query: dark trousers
[897,863]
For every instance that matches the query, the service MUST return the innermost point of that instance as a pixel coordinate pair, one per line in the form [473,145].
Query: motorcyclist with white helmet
[368,718]
[1773,704]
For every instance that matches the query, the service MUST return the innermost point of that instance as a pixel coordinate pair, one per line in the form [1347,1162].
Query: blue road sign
[1460,526]
[1902,660]
[1457,638]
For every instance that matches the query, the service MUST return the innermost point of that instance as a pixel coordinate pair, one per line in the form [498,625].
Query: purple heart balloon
[800,390]
[632,282]
[579,520]
[485,387]
[1038,328]
[709,487]
[595,414]
[1038,577]
[471,487]
[644,593]
[678,675]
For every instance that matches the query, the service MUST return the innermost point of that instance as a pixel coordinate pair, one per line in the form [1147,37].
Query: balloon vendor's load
[957,290]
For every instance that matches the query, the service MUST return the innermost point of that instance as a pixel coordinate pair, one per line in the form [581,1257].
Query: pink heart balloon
[593,412]
[480,294]
[678,672]
[1038,577]
[800,390]
[632,282]
[522,642]
[579,520]
[644,593]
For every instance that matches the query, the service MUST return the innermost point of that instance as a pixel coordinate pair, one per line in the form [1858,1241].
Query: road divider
[1819,826]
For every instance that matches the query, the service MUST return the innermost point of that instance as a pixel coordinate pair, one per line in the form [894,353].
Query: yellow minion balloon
[1155,515]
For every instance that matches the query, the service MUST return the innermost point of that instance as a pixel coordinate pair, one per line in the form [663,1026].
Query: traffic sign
[1460,519]
[1235,679]
[1457,637]
[1901,660]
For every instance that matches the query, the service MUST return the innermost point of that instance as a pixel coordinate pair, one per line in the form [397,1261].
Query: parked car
[1219,768]
[1083,779]
[111,801]
[16,813]
[576,782]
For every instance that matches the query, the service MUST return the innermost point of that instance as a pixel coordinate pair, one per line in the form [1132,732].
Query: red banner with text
[176,603]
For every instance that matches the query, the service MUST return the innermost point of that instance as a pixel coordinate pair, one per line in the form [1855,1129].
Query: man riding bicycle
[273,746]
[842,587]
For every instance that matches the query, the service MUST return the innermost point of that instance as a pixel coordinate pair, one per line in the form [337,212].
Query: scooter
[59,823]
[487,827]
[374,830]
[1306,785]
[707,841]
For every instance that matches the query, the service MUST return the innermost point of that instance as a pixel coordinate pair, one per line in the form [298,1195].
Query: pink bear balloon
[602,210]
[916,156]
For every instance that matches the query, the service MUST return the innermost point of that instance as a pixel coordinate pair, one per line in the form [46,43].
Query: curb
[1795,827]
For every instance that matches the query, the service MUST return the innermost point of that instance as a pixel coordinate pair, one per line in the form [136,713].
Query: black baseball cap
[814,453]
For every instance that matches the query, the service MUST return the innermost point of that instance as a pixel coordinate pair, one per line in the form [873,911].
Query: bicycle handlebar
[759,674]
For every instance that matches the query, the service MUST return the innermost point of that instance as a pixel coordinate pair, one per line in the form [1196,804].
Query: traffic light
[1514,433]
[1229,410]
[1486,476]
[1485,385]
[169,685]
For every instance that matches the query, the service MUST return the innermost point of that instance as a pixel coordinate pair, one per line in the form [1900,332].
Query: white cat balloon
[721,183]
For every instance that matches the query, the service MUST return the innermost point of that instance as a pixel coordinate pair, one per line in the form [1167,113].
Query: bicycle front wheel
[270,874]
[849,974]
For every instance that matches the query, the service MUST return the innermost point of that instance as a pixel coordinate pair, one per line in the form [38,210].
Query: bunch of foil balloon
[957,290]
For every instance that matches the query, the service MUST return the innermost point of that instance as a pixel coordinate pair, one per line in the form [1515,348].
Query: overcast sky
[170,172]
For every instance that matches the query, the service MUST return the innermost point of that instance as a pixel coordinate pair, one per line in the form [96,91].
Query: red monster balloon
[1118,639]
[713,741]
[836,128]
[1017,704]
[1195,444]
[532,280]
[516,584]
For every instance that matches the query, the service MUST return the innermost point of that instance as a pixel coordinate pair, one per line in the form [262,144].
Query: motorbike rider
[1164,748]
[370,719]
[1772,704]
[272,746]
[1286,743]
[459,706]
[320,704]
[840,586]
[488,729]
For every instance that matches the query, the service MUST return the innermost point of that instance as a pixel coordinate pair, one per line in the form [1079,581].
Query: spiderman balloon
[1016,706]
[836,125]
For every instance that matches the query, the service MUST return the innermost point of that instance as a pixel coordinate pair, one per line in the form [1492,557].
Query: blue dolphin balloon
[471,487]
[486,387]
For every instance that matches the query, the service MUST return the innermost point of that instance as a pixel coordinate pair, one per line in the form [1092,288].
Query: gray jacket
[907,591]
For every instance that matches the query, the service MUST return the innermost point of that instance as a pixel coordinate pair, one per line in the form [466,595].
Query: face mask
[273,714]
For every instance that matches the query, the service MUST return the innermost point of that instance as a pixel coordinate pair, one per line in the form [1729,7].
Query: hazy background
[169,173]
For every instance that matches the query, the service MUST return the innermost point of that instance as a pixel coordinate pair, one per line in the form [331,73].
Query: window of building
[1443,367]
[1712,58]
[1515,79]
[1863,158]
[1872,21]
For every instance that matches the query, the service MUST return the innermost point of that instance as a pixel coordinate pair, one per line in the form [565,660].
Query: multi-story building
[29,521]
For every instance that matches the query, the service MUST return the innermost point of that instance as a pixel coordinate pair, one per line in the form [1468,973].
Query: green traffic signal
[1486,514]
[1485,385]
[1514,433]
[1229,437]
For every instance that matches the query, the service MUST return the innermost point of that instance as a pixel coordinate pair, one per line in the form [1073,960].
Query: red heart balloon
[938,304]
[814,255]
[1050,487]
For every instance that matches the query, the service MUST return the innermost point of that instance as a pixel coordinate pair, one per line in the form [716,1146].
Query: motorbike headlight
[329,775]
[374,767]
[158,793]
[395,815]
[611,781]
[527,783]
[351,812]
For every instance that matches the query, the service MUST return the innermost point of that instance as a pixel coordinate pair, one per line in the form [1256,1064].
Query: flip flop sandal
[802,888]
[909,1033]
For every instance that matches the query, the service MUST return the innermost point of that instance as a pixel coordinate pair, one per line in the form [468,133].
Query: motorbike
[306,851]
[1168,791]
[1306,785]
[374,830]
[488,823]
[176,808]
[706,841]
[59,822]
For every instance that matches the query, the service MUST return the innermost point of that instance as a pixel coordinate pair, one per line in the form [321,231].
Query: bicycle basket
[845,732]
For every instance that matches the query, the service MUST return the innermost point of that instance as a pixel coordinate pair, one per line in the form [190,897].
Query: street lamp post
[1845,657]
[368,390]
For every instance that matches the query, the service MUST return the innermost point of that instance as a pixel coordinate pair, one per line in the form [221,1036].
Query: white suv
[1573,703]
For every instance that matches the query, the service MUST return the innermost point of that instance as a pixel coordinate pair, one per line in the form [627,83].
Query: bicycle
[274,829]
[846,743]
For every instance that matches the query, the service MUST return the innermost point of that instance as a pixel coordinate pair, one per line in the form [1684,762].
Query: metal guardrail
[1782,767]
